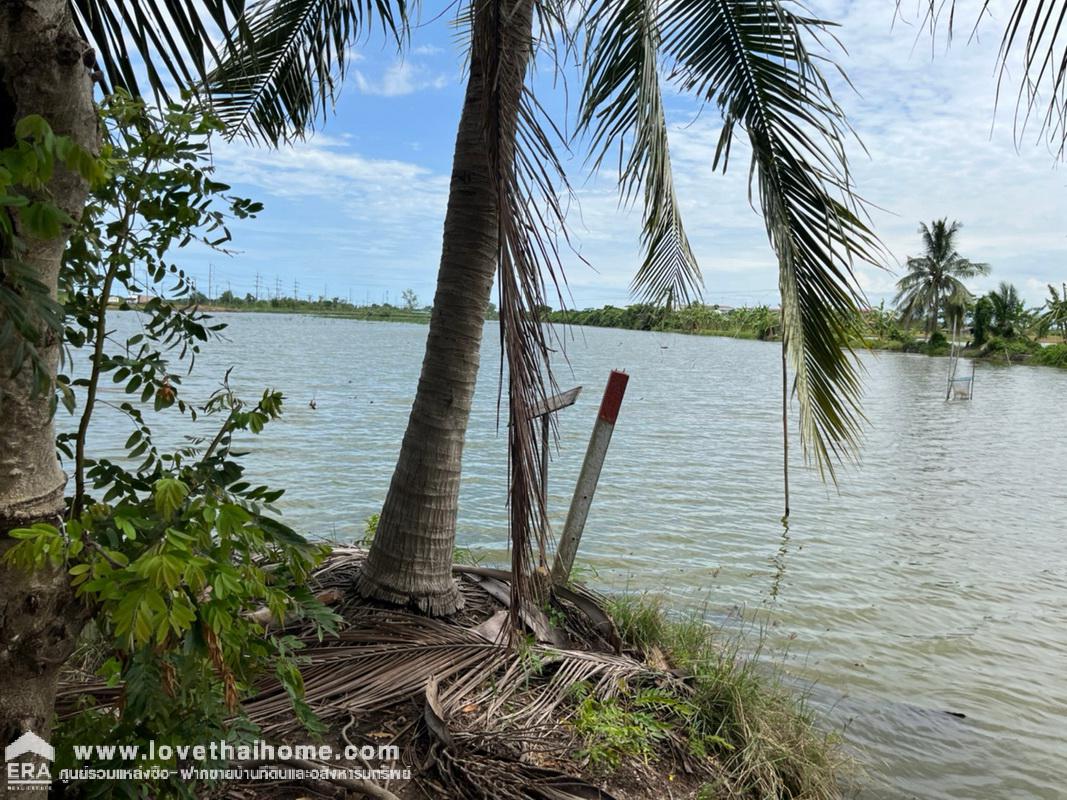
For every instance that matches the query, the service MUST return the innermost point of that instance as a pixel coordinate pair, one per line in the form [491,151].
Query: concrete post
[589,476]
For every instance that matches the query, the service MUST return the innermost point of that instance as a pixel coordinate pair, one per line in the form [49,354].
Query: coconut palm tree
[748,59]
[1009,312]
[269,69]
[934,281]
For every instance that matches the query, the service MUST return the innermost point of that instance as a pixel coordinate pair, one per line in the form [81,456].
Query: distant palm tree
[1009,311]
[934,282]
[1055,314]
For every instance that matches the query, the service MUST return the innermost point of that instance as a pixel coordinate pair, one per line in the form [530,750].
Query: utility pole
[296,289]
[257,286]
[277,287]
[210,270]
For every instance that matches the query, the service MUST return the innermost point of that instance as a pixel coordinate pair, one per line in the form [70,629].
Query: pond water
[932,580]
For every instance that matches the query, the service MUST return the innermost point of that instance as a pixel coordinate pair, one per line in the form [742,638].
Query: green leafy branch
[30,318]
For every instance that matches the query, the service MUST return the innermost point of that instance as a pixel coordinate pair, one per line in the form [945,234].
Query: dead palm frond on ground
[475,716]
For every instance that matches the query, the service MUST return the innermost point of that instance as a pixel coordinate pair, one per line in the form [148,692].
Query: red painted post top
[613,392]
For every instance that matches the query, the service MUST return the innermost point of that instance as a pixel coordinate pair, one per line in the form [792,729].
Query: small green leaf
[169,493]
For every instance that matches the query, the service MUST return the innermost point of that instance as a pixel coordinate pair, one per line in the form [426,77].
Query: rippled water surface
[934,580]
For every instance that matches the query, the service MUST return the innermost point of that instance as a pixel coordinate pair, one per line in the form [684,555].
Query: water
[933,580]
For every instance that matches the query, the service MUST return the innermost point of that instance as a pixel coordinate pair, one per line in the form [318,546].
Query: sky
[356,210]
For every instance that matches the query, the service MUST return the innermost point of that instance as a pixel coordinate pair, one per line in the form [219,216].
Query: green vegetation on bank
[1012,334]
[760,322]
[734,711]
[162,554]
[410,311]
[995,326]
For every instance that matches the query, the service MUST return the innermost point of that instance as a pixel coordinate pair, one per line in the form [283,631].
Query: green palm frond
[750,58]
[1054,315]
[622,108]
[268,67]
[290,56]
[176,40]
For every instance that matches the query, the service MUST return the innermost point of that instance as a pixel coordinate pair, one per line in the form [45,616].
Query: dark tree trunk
[410,560]
[41,72]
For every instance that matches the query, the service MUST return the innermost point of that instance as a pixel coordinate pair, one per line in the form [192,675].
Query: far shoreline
[388,313]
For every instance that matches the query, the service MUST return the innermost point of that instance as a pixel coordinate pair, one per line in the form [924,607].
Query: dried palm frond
[528,178]
[385,657]
[541,699]
[485,767]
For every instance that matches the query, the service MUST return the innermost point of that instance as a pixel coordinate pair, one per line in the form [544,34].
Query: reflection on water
[778,562]
[931,580]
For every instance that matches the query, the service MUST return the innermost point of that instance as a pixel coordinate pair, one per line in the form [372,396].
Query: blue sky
[356,210]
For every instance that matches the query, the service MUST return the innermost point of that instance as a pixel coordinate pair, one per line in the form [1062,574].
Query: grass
[741,715]
[613,730]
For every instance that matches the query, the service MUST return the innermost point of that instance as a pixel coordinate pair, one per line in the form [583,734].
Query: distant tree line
[408,310]
[760,322]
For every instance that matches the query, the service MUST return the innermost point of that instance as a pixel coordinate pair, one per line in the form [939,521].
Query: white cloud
[331,204]
[399,78]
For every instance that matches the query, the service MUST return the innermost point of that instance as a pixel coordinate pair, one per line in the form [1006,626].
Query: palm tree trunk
[410,561]
[41,72]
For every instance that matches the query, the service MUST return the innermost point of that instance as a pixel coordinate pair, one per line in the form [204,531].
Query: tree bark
[410,561]
[41,72]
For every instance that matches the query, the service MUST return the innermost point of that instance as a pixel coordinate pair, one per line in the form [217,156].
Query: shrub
[180,560]
[1052,356]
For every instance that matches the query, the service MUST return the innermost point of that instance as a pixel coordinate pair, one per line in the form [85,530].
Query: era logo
[21,773]
[28,772]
